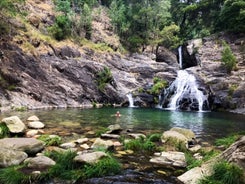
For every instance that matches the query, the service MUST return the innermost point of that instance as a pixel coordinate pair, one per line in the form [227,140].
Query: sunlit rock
[14,124]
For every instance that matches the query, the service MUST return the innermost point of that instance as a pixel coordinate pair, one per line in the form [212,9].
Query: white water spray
[185,87]
[180,57]
[131,100]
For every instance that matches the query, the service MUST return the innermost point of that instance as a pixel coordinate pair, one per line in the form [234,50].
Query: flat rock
[90,158]
[36,124]
[171,158]
[28,145]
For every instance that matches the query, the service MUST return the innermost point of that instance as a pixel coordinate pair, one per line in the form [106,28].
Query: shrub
[228,58]
[62,27]
[159,84]
[50,140]
[224,173]
[140,145]
[106,166]
[103,77]
[4,131]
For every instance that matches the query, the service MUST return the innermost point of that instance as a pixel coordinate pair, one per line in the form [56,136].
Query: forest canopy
[140,23]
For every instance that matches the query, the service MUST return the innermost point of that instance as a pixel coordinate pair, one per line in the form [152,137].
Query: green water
[206,125]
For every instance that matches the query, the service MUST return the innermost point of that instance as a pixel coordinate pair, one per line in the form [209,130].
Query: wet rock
[36,124]
[90,158]
[9,157]
[14,124]
[100,143]
[114,129]
[28,145]
[171,158]
[39,162]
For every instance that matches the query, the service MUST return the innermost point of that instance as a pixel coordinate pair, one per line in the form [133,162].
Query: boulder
[39,162]
[170,158]
[68,145]
[28,145]
[14,124]
[100,143]
[36,124]
[114,129]
[9,157]
[90,158]
[180,134]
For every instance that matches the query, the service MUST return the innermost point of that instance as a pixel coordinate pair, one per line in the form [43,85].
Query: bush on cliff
[228,58]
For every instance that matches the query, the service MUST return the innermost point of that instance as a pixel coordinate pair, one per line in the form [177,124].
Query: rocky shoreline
[26,147]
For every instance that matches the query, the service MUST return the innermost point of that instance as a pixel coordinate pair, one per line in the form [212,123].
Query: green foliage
[228,58]
[155,137]
[4,130]
[140,145]
[227,141]
[103,77]
[12,175]
[100,130]
[106,166]
[169,36]
[50,140]
[191,161]
[158,85]
[175,144]
[9,6]
[62,27]
[224,173]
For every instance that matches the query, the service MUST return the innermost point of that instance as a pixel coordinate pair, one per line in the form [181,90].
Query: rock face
[227,89]
[14,124]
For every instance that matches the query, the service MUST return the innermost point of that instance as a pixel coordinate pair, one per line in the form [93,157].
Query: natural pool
[206,125]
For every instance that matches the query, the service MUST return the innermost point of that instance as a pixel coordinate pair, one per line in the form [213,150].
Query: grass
[4,131]
[224,173]
[12,175]
[140,145]
[50,140]
[227,141]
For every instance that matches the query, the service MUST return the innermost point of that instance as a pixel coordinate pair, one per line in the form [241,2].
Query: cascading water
[131,100]
[180,57]
[186,94]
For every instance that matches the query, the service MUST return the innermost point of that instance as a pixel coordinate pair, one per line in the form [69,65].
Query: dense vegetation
[141,23]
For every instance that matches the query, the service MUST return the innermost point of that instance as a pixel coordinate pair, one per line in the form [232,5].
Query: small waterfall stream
[131,100]
[180,57]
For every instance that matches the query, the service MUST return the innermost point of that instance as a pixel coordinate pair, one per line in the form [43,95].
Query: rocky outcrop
[226,88]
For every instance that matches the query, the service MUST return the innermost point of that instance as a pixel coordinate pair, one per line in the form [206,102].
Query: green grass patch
[227,141]
[50,140]
[12,175]
[140,145]
[224,173]
[4,130]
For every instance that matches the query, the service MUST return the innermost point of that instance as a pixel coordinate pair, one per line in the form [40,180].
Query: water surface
[206,125]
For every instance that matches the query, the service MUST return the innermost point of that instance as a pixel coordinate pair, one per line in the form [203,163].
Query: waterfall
[180,57]
[131,100]
[186,94]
